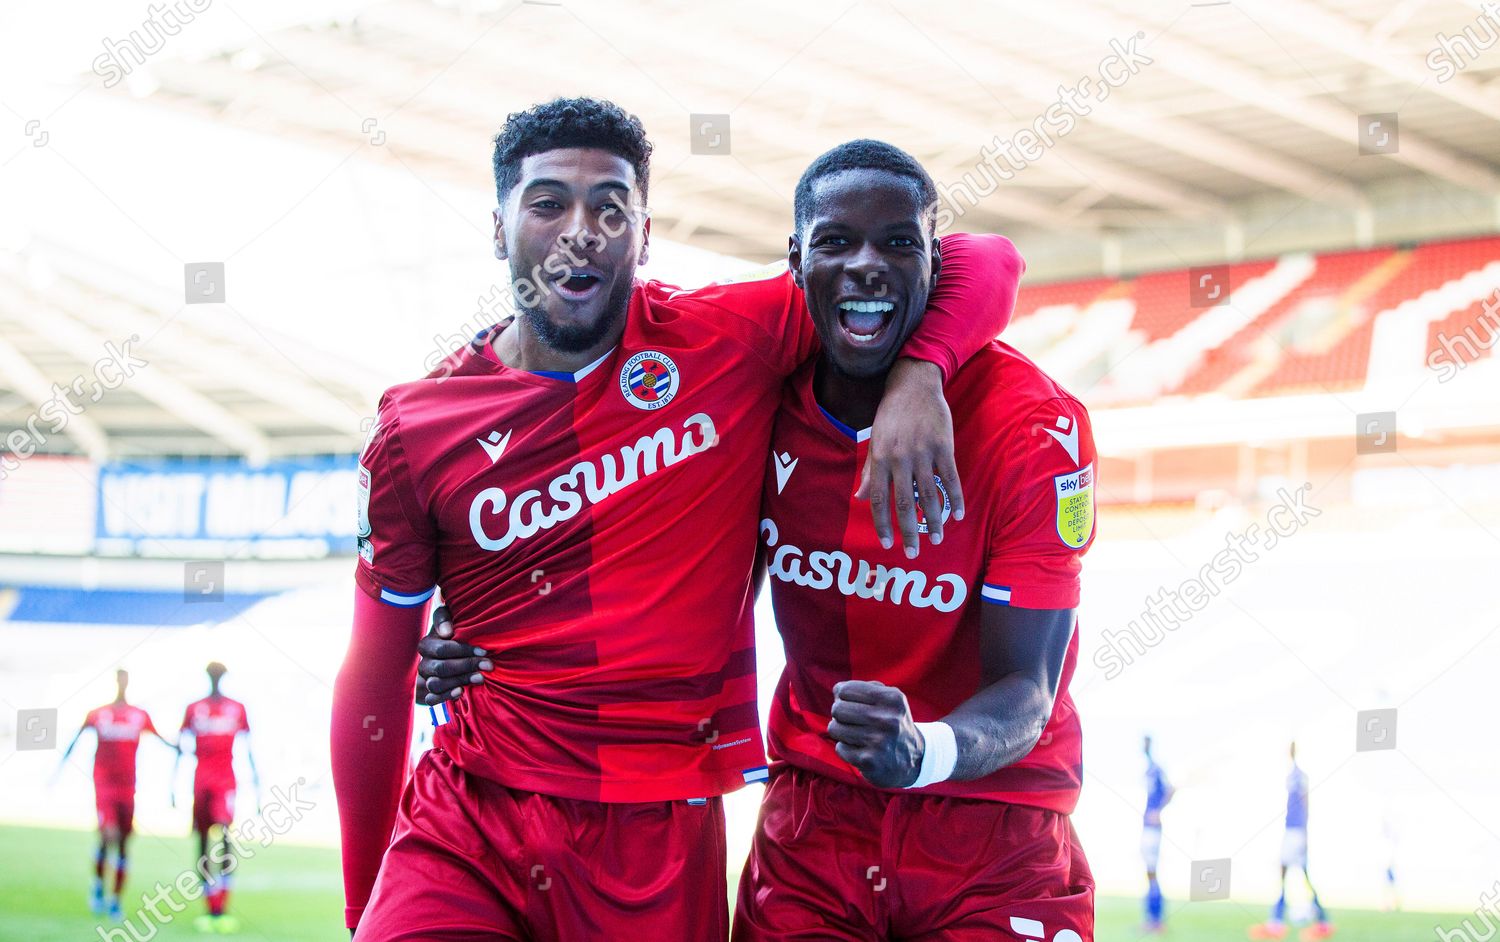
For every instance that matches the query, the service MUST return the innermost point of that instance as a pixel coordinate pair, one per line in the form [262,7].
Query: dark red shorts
[116,809]
[833,861]
[212,805]
[471,859]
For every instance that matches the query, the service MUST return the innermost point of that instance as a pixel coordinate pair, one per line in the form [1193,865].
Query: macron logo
[1033,931]
[1067,437]
[785,465]
[495,446]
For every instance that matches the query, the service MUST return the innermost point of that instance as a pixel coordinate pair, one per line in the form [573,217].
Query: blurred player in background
[1389,891]
[585,774]
[119,726]
[215,723]
[1159,793]
[1294,855]
[1390,899]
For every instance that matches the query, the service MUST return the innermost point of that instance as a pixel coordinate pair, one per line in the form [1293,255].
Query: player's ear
[937,258]
[645,240]
[499,219]
[794,258]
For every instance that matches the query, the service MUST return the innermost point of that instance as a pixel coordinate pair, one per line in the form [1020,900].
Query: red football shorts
[116,809]
[473,860]
[212,804]
[832,861]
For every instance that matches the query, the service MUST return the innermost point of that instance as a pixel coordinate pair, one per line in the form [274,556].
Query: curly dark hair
[570,122]
[861,154]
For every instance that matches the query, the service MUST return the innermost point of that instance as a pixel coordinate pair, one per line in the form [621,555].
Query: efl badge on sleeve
[362,503]
[649,380]
[1075,506]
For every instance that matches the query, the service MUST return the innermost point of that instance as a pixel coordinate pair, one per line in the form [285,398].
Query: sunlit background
[1264,249]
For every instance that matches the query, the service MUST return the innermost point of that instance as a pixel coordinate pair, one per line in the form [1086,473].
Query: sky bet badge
[1075,506]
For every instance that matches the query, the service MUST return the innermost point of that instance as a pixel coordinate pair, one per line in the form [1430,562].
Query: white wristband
[940,756]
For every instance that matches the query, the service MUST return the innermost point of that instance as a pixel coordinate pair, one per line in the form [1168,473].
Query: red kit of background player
[215,723]
[119,727]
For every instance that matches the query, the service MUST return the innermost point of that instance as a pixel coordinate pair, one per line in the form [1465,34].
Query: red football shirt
[119,729]
[596,530]
[214,722]
[848,609]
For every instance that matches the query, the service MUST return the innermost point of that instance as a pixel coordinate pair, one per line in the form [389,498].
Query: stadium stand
[1300,323]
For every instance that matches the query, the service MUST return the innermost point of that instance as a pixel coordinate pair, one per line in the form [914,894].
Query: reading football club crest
[922,517]
[1075,506]
[649,380]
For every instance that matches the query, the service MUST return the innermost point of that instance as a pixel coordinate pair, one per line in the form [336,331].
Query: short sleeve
[397,540]
[146,725]
[187,720]
[91,721]
[1044,521]
[244,719]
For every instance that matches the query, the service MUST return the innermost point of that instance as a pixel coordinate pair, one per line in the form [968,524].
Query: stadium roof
[141,374]
[1234,129]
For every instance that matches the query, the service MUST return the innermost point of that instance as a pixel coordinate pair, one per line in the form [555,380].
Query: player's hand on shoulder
[911,444]
[873,730]
[446,666]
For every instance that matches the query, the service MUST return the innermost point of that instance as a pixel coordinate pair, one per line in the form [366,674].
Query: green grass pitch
[293,894]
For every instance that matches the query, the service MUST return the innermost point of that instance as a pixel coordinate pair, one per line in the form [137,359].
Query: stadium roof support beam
[1343,36]
[177,398]
[1394,18]
[1194,63]
[27,380]
[388,77]
[1098,171]
[421,143]
[1012,204]
[100,276]
[290,391]
[1192,140]
[737,61]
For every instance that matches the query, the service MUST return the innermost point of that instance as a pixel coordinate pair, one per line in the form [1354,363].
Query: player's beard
[579,339]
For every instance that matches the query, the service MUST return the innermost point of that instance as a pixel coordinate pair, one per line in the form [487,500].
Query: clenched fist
[872,730]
